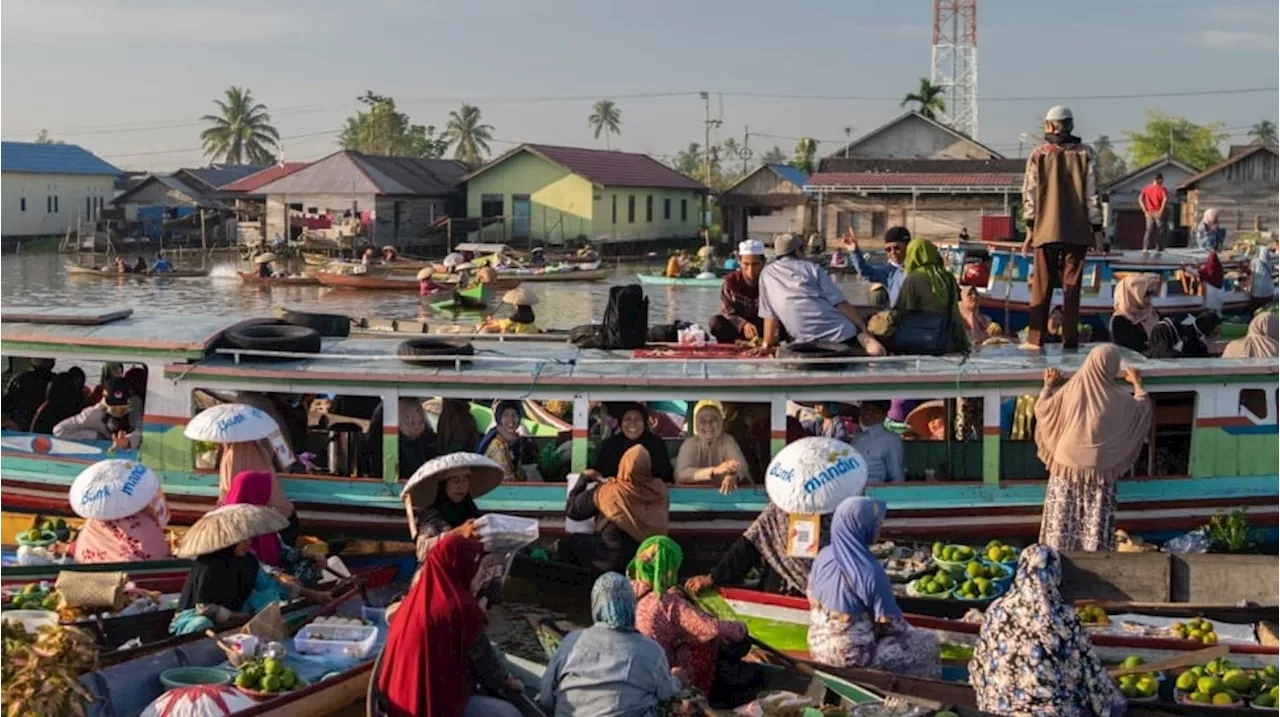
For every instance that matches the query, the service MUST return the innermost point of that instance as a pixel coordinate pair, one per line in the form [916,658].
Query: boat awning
[482,247]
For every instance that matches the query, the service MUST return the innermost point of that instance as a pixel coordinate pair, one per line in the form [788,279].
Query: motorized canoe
[251,278]
[366,282]
[692,282]
[75,269]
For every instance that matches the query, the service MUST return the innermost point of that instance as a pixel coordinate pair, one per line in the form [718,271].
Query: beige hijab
[1260,342]
[1091,427]
[635,500]
[703,452]
[251,456]
[1131,301]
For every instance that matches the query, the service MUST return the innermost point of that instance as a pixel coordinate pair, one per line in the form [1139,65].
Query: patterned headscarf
[846,578]
[1033,655]
[769,534]
[660,564]
[923,258]
[613,602]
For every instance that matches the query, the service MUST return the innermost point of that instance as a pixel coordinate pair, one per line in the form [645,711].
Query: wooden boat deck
[189,335]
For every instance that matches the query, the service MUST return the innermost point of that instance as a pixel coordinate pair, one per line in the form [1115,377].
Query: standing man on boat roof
[1152,200]
[739,316]
[890,274]
[1063,216]
[800,298]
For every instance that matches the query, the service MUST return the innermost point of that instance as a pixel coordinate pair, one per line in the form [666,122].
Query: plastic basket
[352,641]
[176,677]
[913,592]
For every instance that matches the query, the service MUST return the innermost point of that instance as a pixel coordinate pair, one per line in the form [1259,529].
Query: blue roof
[35,158]
[791,174]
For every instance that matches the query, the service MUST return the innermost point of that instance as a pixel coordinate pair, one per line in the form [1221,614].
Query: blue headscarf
[846,578]
[613,602]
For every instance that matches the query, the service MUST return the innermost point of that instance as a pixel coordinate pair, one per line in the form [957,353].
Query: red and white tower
[955,62]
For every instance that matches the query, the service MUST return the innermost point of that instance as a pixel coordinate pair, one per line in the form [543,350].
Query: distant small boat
[252,278]
[75,269]
[365,281]
[656,280]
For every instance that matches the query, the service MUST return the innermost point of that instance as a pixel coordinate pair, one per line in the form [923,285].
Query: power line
[178,124]
[201,149]
[1020,98]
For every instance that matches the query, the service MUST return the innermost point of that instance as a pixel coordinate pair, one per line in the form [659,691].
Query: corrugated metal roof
[219,175]
[171,181]
[888,179]
[33,158]
[606,168]
[791,174]
[349,172]
[270,174]
[905,165]
[1192,181]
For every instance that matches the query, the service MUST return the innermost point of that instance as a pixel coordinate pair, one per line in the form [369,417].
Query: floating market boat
[366,281]
[659,280]
[251,278]
[109,272]
[1002,274]
[558,272]
[1220,412]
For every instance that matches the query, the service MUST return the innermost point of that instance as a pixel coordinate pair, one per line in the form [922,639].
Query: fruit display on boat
[1140,685]
[1197,629]
[998,552]
[977,589]
[939,585]
[1221,683]
[943,553]
[33,596]
[1093,616]
[265,677]
[37,537]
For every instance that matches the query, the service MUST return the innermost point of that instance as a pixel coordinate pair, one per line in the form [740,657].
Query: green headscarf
[662,569]
[924,257]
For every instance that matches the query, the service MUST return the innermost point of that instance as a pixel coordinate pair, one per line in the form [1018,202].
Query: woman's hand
[699,584]
[1052,376]
[679,674]
[593,475]
[120,441]
[1134,378]
[729,484]
[467,530]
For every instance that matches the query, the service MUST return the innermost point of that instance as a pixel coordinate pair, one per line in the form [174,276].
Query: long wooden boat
[365,281]
[992,487]
[75,269]
[692,282]
[251,278]
[595,273]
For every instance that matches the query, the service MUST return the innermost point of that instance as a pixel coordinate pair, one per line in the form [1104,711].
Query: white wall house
[46,188]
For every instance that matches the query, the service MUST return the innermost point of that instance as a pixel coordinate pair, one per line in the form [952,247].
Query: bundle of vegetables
[41,671]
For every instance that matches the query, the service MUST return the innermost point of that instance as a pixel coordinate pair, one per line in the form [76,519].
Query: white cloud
[1238,41]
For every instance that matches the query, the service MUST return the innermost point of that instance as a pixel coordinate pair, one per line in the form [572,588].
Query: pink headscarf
[254,488]
[135,538]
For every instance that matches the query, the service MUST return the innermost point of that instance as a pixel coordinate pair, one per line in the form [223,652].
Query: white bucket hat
[230,423]
[812,475]
[113,489]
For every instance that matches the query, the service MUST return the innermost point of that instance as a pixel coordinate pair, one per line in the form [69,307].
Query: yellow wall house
[557,194]
[48,187]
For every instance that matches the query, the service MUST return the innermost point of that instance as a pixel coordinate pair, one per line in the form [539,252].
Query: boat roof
[107,330]
[482,247]
[1166,260]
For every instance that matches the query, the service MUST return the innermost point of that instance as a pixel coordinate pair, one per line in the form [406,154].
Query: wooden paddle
[1184,660]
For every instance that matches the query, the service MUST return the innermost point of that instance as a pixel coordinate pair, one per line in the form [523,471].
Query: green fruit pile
[1218,683]
[36,535]
[1269,699]
[998,552]
[976,589]
[1197,629]
[952,553]
[266,675]
[33,598]
[1093,615]
[1138,685]
[940,583]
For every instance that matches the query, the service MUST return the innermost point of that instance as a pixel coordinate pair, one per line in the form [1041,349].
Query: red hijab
[1211,271]
[254,488]
[425,671]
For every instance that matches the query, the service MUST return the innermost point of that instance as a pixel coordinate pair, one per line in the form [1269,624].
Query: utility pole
[707,124]
[848,139]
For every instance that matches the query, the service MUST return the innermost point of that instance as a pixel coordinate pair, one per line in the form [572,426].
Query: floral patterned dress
[1033,656]
[690,638]
[856,641]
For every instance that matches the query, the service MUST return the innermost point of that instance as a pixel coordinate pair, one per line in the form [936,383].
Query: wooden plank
[67,315]
[1116,576]
[1217,577]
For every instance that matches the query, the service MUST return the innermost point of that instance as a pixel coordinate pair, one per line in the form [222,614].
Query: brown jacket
[1060,194]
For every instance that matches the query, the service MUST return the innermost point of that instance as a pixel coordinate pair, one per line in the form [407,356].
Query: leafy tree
[1111,166]
[689,160]
[1193,144]
[241,132]
[775,156]
[733,151]
[806,148]
[44,138]
[383,131]
[606,117]
[1263,132]
[468,135]
[928,99]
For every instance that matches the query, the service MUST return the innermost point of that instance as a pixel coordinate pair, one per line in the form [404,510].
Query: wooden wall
[1244,193]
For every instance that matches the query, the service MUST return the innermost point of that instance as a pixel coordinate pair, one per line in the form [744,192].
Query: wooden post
[204,242]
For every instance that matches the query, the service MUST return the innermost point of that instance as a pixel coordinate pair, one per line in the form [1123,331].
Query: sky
[129,80]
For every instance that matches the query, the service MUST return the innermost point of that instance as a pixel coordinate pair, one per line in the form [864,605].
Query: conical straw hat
[264,258]
[224,527]
[425,272]
[520,296]
[423,484]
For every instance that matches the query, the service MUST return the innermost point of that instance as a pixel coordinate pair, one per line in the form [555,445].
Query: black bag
[587,336]
[626,318]
[922,333]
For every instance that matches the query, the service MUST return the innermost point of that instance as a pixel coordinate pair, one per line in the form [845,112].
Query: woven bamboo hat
[264,258]
[520,296]
[224,527]
[423,484]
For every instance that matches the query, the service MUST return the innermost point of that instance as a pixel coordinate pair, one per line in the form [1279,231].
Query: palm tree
[469,137]
[242,132]
[775,156]
[1263,132]
[806,148]
[928,99]
[606,117]
[732,150]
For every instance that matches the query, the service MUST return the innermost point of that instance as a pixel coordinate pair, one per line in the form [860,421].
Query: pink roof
[887,179]
[608,168]
[261,179]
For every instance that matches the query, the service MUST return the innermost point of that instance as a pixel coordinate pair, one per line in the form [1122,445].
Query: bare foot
[1028,346]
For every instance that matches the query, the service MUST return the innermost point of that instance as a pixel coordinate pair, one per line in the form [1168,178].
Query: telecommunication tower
[955,62]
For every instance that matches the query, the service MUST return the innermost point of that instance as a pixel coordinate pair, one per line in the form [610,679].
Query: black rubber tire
[333,325]
[816,349]
[274,337]
[413,349]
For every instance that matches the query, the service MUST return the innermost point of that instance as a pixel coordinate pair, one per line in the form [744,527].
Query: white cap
[750,247]
[1057,113]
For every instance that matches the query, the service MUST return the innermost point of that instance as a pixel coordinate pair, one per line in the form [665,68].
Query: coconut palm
[806,148]
[469,137]
[732,150]
[775,156]
[1263,132]
[928,99]
[242,132]
[606,117]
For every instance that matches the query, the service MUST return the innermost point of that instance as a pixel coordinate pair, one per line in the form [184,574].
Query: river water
[42,279]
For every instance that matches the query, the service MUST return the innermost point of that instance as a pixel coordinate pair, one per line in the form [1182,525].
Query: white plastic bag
[579,527]
[506,533]
[692,335]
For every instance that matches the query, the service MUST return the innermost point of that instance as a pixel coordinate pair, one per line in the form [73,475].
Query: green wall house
[555,194]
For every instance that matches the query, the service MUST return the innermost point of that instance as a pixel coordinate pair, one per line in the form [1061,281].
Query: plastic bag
[506,533]
[693,335]
[1194,542]
[777,704]
[578,527]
